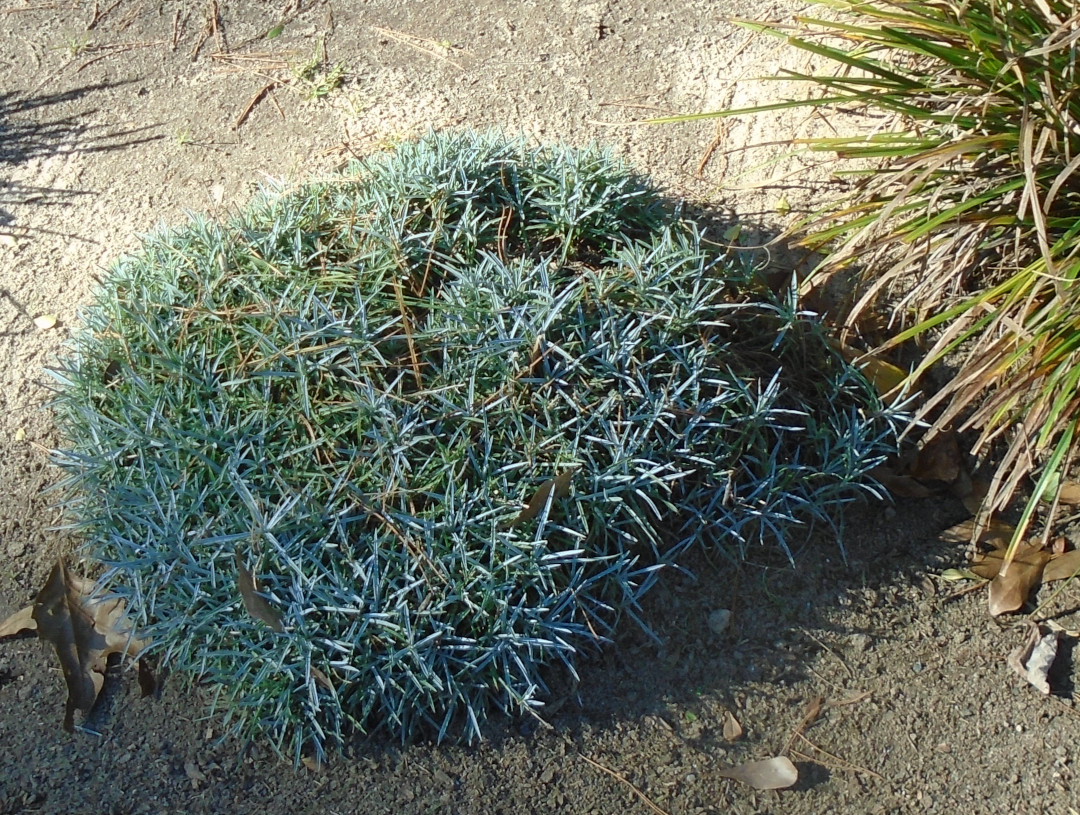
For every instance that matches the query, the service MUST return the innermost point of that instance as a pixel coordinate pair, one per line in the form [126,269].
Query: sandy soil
[118,114]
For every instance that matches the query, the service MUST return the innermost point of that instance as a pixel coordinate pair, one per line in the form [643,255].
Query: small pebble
[719,620]
[860,642]
[918,667]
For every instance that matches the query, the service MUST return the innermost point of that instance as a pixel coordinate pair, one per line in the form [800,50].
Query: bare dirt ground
[118,114]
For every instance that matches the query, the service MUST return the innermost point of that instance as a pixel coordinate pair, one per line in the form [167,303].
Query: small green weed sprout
[75,44]
[316,78]
[450,413]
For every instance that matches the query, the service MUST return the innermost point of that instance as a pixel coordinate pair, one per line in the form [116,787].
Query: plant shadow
[30,129]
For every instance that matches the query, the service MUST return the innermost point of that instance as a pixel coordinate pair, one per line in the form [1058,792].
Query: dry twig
[258,97]
[619,777]
[118,48]
[422,44]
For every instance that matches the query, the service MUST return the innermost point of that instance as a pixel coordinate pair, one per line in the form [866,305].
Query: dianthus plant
[385,445]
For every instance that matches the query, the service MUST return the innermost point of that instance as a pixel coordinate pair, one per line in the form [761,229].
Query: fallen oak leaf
[320,678]
[770,774]
[996,535]
[1070,493]
[971,492]
[1031,566]
[885,377]
[85,628]
[194,774]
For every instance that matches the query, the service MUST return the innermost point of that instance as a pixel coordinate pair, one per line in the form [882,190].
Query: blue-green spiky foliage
[452,409]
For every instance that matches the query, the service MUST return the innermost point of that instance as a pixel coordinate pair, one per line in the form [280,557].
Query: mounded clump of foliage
[380,448]
[966,211]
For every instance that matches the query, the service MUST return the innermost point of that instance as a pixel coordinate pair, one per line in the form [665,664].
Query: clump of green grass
[966,212]
[385,445]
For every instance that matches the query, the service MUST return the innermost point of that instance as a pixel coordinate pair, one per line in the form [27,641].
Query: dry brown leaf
[320,678]
[1032,660]
[559,485]
[85,628]
[939,459]
[1062,567]
[257,605]
[975,494]
[900,486]
[1009,591]
[733,731]
[1070,493]
[771,774]
[21,620]
[194,774]
[996,534]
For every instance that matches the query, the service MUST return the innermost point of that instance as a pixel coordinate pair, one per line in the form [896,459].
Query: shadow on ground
[27,133]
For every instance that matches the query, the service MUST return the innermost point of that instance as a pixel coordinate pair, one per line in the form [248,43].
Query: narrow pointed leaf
[557,487]
[256,605]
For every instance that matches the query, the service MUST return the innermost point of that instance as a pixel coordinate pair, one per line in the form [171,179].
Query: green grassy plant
[966,211]
[452,410]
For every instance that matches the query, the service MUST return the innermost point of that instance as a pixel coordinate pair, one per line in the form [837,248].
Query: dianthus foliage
[449,412]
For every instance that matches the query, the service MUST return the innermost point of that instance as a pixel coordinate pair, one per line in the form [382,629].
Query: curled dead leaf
[885,377]
[1062,567]
[770,774]
[974,496]
[84,626]
[194,774]
[996,535]
[1031,566]
[320,678]
[1032,660]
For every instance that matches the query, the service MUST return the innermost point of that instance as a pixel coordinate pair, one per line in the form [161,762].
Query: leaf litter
[775,773]
[85,627]
[1032,660]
